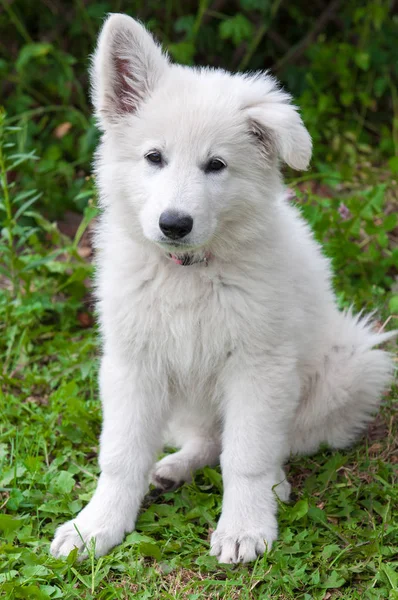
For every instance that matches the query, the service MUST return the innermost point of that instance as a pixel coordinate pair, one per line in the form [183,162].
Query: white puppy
[220,328]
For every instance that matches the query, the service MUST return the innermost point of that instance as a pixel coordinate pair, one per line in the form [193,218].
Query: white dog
[216,308]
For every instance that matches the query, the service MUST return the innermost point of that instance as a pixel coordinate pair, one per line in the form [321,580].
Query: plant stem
[8,208]
[253,47]
[17,22]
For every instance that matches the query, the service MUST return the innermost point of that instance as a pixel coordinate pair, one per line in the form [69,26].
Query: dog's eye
[215,164]
[154,157]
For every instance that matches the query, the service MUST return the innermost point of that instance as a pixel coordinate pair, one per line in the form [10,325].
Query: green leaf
[214,477]
[237,28]
[3,451]
[52,591]
[329,550]
[12,473]
[317,514]
[15,500]
[31,52]
[393,305]
[259,5]
[185,24]
[26,205]
[8,575]
[90,212]
[347,98]
[150,549]
[390,222]
[9,524]
[393,164]
[392,576]
[138,538]
[33,571]
[383,239]
[23,196]
[63,483]
[333,581]
[19,159]
[362,60]
[299,510]
[183,52]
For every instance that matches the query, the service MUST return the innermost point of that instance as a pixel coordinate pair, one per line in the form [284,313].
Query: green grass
[338,537]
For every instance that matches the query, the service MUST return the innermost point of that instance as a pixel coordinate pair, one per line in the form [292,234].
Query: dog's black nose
[175,225]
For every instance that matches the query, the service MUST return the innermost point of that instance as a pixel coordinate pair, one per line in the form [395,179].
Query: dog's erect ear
[126,66]
[275,122]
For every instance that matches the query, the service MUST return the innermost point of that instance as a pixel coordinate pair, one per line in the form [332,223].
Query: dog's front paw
[83,536]
[240,545]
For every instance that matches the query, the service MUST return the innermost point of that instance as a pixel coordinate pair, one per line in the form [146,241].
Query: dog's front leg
[133,412]
[259,406]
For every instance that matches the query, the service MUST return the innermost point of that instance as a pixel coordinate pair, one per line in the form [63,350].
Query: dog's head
[193,153]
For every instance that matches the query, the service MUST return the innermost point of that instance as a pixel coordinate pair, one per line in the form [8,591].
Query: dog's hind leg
[346,390]
[175,469]
[199,441]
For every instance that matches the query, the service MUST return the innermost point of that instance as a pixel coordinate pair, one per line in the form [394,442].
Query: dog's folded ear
[126,67]
[275,121]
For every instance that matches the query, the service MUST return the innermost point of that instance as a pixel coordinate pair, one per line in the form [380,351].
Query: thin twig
[278,40]
[214,8]
[16,21]
[252,47]
[296,51]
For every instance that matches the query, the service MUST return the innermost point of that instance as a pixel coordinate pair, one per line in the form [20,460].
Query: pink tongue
[175,258]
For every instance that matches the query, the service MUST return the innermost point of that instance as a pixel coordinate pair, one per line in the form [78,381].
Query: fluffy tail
[345,393]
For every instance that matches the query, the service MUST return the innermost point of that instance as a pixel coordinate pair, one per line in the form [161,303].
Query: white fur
[247,359]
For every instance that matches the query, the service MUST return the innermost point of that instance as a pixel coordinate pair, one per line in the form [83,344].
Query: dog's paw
[170,473]
[242,546]
[75,534]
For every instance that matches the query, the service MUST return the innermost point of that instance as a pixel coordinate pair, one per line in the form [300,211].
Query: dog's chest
[184,325]
[190,328]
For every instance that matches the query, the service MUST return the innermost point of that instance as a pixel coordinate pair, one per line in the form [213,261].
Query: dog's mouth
[184,255]
[189,258]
